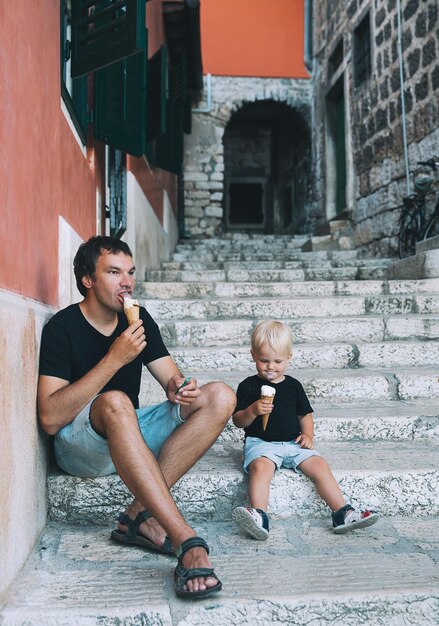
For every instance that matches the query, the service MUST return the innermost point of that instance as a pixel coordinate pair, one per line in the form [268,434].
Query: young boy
[288,438]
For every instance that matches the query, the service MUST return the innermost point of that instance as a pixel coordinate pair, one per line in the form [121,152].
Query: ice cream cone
[267,393]
[131,309]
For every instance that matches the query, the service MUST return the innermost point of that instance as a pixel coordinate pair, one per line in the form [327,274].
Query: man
[90,370]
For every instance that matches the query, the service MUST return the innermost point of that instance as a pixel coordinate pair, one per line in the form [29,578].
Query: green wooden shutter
[106,31]
[169,151]
[80,101]
[120,104]
[157,88]
[187,115]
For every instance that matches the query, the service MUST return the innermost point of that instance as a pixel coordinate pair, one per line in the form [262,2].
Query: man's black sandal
[133,538]
[182,575]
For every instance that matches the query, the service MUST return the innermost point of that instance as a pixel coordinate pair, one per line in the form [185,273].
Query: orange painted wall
[253,38]
[43,173]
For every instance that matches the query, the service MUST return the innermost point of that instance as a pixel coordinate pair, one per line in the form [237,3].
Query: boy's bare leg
[317,468]
[261,472]
[113,416]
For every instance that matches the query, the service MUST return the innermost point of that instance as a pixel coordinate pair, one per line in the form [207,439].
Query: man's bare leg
[205,419]
[113,416]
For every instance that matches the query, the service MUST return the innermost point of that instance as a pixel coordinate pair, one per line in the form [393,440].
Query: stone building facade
[357,101]
[252,131]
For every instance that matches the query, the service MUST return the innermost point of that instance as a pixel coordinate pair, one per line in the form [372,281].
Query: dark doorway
[246,202]
[267,165]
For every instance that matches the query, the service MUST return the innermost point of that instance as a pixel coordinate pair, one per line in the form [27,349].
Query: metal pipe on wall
[403,113]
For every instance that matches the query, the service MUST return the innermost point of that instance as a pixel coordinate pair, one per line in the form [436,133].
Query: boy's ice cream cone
[131,309]
[267,393]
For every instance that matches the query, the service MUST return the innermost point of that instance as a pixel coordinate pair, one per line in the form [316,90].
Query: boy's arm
[247,416]
[306,438]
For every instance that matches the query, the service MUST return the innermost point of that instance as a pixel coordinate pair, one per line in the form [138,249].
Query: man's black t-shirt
[71,347]
[290,403]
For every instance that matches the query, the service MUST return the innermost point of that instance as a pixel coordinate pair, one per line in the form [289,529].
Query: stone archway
[283,106]
[267,165]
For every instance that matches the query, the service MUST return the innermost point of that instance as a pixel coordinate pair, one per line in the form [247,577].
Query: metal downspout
[307,44]
[401,78]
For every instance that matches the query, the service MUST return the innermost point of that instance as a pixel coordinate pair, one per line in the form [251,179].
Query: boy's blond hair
[276,334]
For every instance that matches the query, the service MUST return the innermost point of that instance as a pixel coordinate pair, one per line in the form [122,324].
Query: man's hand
[182,395]
[305,441]
[129,344]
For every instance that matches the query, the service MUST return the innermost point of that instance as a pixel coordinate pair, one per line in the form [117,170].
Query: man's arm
[59,402]
[166,372]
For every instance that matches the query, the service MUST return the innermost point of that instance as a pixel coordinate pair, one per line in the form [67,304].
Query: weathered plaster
[23,458]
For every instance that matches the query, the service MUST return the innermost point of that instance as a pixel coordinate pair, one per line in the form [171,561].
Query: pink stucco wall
[43,173]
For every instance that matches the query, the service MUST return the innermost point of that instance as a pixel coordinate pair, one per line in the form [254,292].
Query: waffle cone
[267,415]
[132,313]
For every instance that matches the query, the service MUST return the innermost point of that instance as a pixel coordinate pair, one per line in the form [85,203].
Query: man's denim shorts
[81,451]
[283,453]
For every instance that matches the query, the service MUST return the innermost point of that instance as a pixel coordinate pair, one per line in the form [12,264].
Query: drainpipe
[401,79]
[208,107]
[307,46]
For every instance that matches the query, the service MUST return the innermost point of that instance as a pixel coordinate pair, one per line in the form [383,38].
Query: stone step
[211,333]
[230,240]
[330,385]
[303,574]
[217,289]
[279,254]
[274,264]
[391,419]
[399,478]
[278,275]
[293,308]
[432,243]
[318,243]
[315,355]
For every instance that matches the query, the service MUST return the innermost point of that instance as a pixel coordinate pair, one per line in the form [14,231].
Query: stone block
[213,211]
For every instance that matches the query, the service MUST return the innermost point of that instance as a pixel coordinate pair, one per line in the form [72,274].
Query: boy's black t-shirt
[71,347]
[290,403]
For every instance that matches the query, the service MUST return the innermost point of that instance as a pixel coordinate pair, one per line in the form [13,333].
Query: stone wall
[204,149]
[23,454]
[373,109]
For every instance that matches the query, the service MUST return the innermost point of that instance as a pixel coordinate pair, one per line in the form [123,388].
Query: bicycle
[413,225]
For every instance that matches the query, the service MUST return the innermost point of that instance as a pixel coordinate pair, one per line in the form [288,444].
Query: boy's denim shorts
[283,453]
[81,451]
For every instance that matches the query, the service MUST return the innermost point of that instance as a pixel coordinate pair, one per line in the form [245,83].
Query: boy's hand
[305,441]
[261,407]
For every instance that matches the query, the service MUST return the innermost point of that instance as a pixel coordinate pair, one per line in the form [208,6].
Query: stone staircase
[367,351]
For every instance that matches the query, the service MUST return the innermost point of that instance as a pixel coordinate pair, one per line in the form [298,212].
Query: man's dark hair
[84,263]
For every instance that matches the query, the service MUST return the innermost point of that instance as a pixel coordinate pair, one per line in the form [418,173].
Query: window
[361,48]
[104,48]
[336,59]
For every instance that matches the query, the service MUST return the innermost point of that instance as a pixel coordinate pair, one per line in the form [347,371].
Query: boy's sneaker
[253,521]
[353,519]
